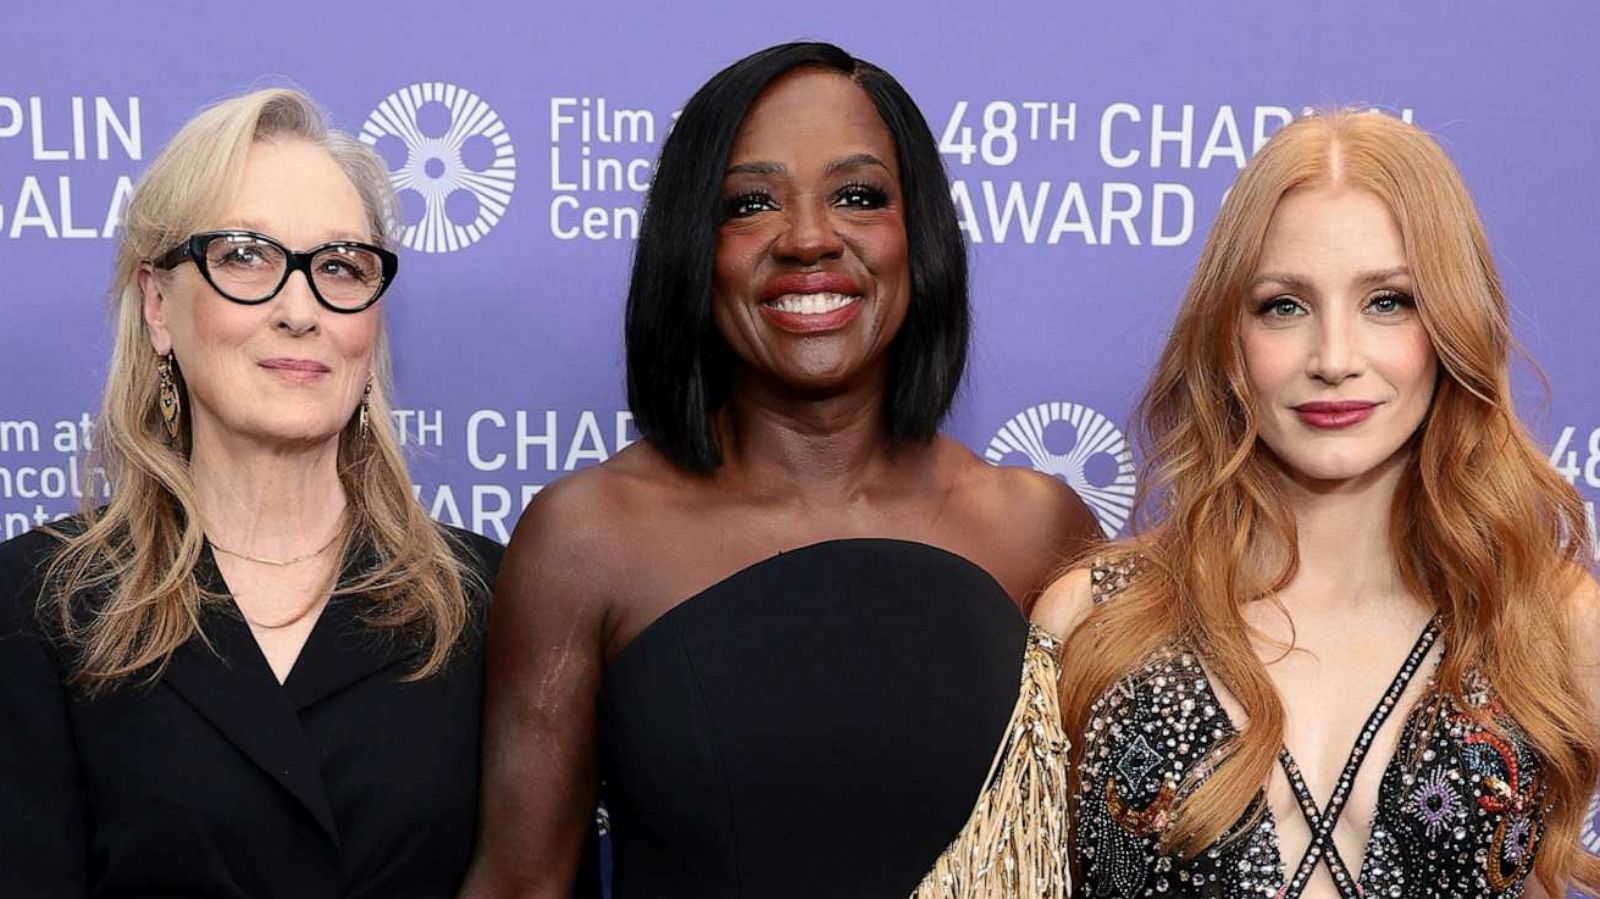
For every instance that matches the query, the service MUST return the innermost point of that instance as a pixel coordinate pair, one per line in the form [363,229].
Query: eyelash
[733,207]
[875,196]
[1265,307]
[870,196]
[1402,300]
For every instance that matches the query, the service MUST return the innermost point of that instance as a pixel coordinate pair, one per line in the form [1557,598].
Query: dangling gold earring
[366,427]
[171,405]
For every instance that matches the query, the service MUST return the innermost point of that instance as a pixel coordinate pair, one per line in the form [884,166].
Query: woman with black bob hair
[679,370]
[780,630]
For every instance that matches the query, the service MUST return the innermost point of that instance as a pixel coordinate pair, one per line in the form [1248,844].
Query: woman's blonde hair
[1483,526]
[138,553]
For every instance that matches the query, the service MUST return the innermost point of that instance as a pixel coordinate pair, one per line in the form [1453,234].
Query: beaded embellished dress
[837,721]
[1458,812]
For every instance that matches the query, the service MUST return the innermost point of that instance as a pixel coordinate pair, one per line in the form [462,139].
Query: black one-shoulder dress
[817,724]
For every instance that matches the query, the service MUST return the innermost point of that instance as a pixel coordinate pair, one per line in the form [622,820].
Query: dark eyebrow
[1295,282]
[757,168]
[855,161]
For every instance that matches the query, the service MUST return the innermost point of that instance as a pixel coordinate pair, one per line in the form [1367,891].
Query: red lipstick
[1331,415]
[834,299]
[809,282]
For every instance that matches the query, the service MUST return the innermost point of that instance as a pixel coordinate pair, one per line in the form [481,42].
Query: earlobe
[155,310]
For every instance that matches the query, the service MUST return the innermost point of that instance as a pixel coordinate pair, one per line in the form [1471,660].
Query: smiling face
[1339,364]
[811,265]
[287,371]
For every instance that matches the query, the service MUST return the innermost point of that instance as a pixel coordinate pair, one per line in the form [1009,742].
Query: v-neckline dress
[1459,810]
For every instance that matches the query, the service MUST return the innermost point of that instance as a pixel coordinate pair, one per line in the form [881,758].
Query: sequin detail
[1434,803]
[1014,844]
[1459,806]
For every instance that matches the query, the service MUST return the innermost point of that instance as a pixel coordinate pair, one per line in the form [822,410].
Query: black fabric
[216,781]
[1459,810]
[818,724]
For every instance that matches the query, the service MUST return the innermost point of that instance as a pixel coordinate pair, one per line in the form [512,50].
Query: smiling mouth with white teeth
[811,303]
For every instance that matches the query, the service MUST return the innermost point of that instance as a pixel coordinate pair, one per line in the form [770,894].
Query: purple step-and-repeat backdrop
[1088,144]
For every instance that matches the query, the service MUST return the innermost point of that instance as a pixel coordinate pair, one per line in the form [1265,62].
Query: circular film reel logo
[1096,462]
[458,159]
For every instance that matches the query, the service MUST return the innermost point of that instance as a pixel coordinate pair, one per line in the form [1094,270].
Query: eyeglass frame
[193,249]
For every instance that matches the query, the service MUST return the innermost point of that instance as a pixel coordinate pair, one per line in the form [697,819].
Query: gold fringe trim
[1014,845]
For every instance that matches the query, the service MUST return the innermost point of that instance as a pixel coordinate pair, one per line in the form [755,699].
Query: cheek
[219,323]
[1410,363]
[354,336]
[1271,359]
[734,279]
[739,253]
[886,253]
[208,335]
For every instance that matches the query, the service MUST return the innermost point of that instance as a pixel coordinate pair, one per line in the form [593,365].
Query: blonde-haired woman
[1354,654]
[256,670]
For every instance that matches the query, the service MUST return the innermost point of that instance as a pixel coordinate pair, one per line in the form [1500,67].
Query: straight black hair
[679,368]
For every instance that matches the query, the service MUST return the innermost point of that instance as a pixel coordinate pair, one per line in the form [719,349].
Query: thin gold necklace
[278,563]
[295,618]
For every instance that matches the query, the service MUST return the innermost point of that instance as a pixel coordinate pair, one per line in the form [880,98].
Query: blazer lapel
[230,684]
[343,649]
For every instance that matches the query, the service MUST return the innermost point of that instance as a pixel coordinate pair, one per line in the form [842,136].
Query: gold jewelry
[296,618]
[366,428]
[277,563]
[169,402]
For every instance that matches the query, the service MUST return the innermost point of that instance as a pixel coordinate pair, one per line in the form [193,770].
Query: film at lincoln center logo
[1078,445]
[458,159]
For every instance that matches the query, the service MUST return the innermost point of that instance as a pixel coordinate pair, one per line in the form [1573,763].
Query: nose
[1336,356]
[295,309]
[809,235]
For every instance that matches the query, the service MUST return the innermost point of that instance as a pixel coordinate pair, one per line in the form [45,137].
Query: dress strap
[1322,822]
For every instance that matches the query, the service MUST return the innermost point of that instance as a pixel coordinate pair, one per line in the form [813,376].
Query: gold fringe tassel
[1014,845]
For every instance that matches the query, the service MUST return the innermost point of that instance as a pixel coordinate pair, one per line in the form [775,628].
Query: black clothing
[818,724]
[1458,815]
[217,781]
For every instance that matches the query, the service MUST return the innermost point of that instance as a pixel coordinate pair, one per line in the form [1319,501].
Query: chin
[1330,474]
[1332,467]
[301,433]
[809,376]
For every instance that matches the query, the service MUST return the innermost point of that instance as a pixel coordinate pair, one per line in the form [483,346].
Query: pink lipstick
[295,371]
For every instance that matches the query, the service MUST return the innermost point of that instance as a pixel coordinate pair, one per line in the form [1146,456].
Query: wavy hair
[1483,527]
[138,553]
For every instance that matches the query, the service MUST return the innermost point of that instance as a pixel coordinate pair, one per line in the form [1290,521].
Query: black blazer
[216,781]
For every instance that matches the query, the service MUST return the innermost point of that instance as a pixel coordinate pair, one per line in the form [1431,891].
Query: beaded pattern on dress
[1458,815]
[1014,844]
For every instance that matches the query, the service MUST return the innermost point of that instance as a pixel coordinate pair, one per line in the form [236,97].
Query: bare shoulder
[1583,611]
[1065,603]
[1033,508]
[1585,596]
[1583,603]
[576,534]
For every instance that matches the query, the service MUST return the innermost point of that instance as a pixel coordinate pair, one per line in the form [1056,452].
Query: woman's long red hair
[1483,526]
